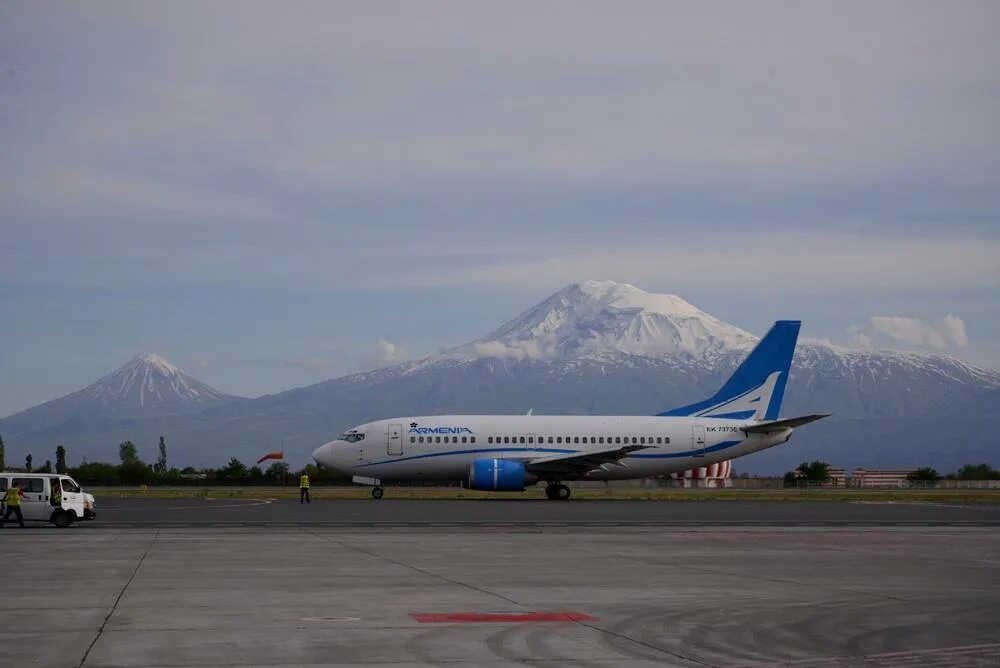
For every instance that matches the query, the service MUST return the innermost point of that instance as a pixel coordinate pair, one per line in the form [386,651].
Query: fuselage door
[395,439]
[698,440]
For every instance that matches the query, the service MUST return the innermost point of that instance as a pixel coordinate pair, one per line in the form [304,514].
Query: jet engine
[499,475]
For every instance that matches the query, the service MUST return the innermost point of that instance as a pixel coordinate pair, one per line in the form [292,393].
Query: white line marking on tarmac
[259,502]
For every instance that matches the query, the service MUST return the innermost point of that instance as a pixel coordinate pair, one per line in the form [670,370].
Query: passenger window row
[616,440]
[442,439]
[558,440]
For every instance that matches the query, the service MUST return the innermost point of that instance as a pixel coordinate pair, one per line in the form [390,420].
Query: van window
[31,485]
[3,484]
[70,485]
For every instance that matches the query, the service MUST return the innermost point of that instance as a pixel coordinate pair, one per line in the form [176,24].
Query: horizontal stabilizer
[779,425]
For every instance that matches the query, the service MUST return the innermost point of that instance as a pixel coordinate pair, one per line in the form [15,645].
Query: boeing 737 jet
[511,452]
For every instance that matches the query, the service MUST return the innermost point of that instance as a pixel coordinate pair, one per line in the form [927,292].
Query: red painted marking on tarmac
[503,617]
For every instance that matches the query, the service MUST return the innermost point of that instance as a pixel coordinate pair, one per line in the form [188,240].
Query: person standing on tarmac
[13,500]
[56,497]
[304,488]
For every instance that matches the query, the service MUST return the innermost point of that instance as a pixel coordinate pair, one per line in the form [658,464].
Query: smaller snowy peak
[149,382]
[601,318]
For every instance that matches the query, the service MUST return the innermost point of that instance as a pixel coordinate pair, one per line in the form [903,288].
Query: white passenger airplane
[510,452]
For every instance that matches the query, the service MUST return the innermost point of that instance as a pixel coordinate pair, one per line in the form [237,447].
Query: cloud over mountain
[947,333]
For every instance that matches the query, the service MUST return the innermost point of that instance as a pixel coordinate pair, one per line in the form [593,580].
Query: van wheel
[62,519]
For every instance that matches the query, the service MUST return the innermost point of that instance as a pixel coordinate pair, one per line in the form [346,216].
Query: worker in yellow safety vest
[304,489]
[13,500]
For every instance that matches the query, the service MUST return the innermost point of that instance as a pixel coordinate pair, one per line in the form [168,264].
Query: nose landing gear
[556,491]
[377,492]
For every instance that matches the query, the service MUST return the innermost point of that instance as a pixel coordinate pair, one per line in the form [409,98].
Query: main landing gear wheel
[377,492]
[557,492]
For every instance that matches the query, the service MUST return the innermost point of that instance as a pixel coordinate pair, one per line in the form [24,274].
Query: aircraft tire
[557,492]
[377,492]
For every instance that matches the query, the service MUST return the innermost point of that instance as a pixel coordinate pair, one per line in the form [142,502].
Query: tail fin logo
[751,405]
[756,388]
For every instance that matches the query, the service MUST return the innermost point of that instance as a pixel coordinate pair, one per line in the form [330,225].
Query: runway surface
[545,597]
[388,513]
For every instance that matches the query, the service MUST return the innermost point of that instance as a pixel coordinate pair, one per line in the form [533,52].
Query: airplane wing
[578,463]
[778,425]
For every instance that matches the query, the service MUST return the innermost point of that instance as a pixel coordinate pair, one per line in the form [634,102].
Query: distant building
[880,477]
[711,476]
[838,478]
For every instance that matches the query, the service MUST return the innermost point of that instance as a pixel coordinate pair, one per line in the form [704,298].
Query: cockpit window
[352,437]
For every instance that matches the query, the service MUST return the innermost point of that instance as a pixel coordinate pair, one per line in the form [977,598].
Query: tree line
[132,470]
[819,472]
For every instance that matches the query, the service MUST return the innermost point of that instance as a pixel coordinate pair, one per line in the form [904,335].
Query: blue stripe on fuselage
[688,453]
[671,455]
[740,415]
[464,452]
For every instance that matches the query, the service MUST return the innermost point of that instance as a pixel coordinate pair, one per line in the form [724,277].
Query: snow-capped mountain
[147,386]
[598,319]
[591,348]
[149,382]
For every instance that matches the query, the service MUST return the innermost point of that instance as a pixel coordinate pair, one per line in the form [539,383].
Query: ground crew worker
[304,488]
[13,500]
[56,497]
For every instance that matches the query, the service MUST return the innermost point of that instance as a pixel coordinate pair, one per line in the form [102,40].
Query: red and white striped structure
[713,475]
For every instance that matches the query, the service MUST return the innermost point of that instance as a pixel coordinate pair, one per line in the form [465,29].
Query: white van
[37,505]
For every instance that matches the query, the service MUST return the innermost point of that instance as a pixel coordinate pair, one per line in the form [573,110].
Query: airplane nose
[331,455]
[321,455]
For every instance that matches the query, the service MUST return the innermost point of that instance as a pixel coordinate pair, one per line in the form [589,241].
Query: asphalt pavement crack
[118,598]
[417,569]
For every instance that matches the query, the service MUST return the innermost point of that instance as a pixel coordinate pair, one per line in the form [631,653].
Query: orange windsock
[277,454]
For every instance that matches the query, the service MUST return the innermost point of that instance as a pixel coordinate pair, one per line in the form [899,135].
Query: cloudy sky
[271,194]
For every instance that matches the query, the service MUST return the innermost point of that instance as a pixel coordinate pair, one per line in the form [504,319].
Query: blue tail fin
[755,389]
